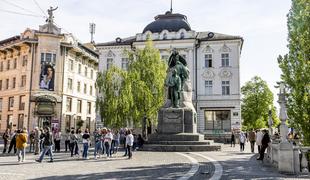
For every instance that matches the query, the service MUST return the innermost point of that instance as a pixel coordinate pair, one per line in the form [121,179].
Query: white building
[213,60]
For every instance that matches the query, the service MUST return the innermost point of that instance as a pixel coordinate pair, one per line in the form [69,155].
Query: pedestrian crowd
[46,141]
[261,138]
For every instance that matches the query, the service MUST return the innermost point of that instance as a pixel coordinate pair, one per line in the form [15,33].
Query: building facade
[47,78]
[213,60]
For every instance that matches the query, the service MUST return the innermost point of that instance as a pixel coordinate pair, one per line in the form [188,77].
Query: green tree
[257,98]
[115,98]
[295,67]
[131,96]
[147,72]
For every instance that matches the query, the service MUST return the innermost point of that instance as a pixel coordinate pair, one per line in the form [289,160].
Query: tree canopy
[295,67]
[129,96]
[257,98]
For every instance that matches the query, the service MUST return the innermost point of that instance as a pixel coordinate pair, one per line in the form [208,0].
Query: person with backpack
[73,141]
[86,141]
[48,145]
[21,144]
[13,142]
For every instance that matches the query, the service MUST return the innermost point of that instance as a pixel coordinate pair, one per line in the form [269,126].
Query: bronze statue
[174,88]
[178,73]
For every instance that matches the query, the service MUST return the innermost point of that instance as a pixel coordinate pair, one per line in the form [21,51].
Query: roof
[119,42]
[168,21]
[8,40]
[207,36]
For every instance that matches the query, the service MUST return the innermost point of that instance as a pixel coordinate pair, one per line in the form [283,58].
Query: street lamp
[283,113]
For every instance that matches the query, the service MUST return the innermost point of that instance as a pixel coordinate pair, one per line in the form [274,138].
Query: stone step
[176,137]
[180,148]
[181,142]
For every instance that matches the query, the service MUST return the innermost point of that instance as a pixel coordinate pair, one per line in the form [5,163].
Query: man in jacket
[37,135]
[265,142]
[21,144]
[48,144]
[252,138]
[5,137]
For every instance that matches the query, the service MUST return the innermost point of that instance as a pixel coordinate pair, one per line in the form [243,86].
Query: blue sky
[261,23]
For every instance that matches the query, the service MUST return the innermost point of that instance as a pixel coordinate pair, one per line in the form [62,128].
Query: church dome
[168,21]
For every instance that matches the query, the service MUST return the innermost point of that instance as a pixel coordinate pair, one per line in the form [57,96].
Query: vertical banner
[47,75]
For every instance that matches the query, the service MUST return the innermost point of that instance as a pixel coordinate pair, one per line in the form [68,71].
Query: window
[14,82]
[85,71]
[20,123]
[85,88]
[70,83]
[79,86]
[69,104]
[225,60]
[182,35]
[68,122]
[109,63]
[79,106]
[0,85]
[88,107]
[80,69]
[219,120]
[70,65]
[11,103]
[125,64]
[88,123]
[48,57]
[91,90]
[23,83]
[15,63]
[25,59]
[208,87]
[7,84]
[91,74]
[225,88]
[165,36]
[1,66]
[208,60]
[21,102]
[8,65]
[1,101]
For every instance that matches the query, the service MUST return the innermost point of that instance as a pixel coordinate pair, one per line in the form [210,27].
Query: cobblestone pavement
[230,163]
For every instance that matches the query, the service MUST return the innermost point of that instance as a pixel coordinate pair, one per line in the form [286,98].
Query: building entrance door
[44,121]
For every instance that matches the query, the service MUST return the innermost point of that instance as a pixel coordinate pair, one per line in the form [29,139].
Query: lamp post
[283,114]
[270,121]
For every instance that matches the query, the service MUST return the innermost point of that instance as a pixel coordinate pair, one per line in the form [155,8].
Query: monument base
[177,131]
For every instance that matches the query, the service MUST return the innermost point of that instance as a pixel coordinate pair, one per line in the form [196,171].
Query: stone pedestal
[176,120]
[177,131]
[286,158]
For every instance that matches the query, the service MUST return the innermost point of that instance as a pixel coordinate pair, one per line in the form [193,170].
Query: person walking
[73,142]
[259,137]
[98,143]
[242,141]
[47,144]
[21,144]
[57,138]
[265,142]
[5,137]
[67,140]
[79,145]
[13,142]
[86,141]
[31,140]
[252,139]
[107,142]
[37,135]
[129,143]
[232,139]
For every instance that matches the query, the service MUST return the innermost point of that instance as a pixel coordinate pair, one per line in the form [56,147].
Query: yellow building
[47,78]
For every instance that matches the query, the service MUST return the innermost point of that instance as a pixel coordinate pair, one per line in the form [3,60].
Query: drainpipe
[62,86]
[197,45]
[30,87]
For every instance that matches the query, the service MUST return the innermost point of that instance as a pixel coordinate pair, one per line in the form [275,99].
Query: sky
[261,23]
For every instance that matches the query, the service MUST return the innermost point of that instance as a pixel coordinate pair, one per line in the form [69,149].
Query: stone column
[286,155]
